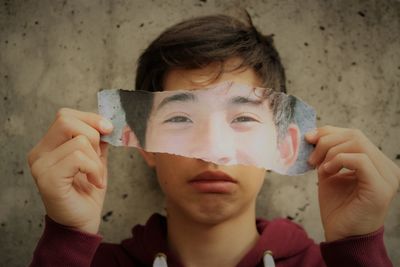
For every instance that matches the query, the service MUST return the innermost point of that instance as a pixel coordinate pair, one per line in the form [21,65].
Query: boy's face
[199,190]
[228,124]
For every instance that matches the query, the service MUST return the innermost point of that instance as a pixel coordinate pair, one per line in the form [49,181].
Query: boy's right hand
[69,166]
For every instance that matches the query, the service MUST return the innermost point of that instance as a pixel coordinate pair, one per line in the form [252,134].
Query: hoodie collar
[281,236]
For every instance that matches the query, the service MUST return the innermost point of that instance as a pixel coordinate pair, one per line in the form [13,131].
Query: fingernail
[105,124]
[311,133]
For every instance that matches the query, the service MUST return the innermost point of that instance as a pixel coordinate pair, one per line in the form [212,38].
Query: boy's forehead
[223,92]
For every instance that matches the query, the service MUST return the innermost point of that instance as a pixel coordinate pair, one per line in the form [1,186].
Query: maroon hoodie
[290,246]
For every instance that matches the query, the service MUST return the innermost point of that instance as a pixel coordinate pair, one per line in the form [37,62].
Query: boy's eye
[243,119]
[179,119]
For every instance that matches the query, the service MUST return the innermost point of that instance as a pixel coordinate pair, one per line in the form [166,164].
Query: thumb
[104,152]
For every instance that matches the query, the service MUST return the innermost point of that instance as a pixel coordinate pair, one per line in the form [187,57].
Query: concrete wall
[342,57]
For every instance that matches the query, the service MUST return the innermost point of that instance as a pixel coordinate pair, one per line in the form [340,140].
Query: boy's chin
[212,214]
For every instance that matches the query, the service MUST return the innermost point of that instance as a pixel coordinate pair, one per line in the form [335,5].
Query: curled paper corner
[175,122]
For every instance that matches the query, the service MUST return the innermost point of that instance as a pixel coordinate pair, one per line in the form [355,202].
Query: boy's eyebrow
[181,97]
[241,100]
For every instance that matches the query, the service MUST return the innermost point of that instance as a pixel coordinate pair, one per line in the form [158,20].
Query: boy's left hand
[356,181]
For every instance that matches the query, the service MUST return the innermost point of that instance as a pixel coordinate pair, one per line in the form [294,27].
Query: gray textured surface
[342,57]
[109,106]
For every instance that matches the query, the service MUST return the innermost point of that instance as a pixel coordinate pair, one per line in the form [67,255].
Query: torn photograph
[227,123]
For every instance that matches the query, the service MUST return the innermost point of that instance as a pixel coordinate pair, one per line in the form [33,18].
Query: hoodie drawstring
[161,260]
[268,260]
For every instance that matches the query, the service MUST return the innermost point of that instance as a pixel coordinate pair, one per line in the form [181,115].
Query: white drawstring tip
[268,260]
[160,260]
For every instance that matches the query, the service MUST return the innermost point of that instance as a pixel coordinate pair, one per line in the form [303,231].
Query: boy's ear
[148,157]
[129,139]
[289,146]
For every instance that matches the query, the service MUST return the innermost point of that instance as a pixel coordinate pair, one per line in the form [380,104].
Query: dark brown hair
[197,42]
[200,41]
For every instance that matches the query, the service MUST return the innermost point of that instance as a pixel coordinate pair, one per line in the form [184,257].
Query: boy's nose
[216,142]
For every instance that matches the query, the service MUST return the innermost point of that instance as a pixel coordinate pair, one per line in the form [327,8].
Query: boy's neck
[224,244]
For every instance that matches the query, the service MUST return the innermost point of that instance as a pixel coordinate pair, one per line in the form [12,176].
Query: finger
[79,142]
[104,159]
[81,183]
[78,162]
[104,152]
[360,163]
[102,124]
[325,144]
[358,143]
[62,130]
[313,136]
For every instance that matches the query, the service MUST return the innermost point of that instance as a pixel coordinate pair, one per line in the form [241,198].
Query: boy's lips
[213,182]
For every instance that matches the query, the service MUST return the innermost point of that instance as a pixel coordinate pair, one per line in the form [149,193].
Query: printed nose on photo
[217,142]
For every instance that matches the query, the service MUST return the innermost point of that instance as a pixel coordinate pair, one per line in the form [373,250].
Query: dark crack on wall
[303,208]
[107,216]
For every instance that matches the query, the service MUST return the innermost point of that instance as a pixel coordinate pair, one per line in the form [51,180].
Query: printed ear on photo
[226,124]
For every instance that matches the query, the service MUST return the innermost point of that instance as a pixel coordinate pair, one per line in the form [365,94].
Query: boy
[210,208]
